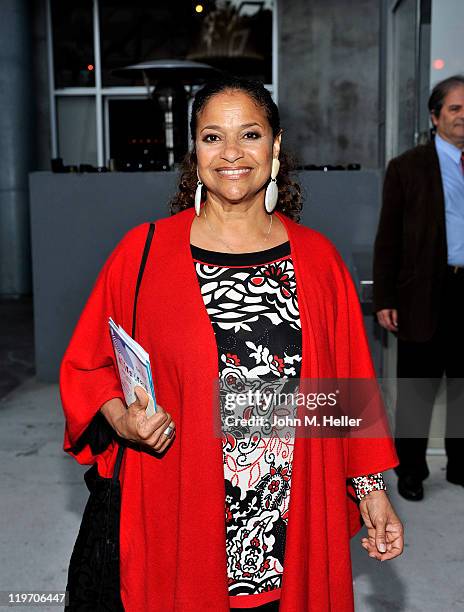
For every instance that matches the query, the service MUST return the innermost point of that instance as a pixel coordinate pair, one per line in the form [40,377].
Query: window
[77,130]
[73,53]
[140,142]
[90,39]
[143,30]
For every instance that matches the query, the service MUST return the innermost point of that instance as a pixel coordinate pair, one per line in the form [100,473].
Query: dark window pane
[234,36]
[73,43]
[142,30]
[138,132]
[237,37]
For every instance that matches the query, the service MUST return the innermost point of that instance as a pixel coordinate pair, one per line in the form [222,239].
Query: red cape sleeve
[365,454]
[88,373]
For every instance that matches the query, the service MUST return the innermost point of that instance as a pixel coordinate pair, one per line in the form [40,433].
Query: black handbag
[93,575]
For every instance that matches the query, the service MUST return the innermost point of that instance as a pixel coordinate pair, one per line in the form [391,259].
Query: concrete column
[329,80]
[16,146]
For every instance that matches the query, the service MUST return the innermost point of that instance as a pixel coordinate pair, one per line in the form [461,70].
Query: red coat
[173,555]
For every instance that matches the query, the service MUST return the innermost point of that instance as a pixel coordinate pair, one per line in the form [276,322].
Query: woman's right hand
[133,424]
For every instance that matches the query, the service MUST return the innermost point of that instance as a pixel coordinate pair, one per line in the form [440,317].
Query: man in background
[419,286]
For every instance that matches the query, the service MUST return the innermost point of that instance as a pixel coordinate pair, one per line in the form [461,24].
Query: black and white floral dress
[251,299]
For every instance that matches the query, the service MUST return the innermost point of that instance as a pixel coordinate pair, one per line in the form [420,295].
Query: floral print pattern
[254,313]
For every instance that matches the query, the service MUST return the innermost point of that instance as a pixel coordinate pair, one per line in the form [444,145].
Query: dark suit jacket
[410,256]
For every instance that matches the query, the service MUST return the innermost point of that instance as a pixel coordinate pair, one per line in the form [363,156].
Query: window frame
[101,94]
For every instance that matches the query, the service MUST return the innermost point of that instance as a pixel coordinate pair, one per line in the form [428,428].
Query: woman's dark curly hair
[289,201]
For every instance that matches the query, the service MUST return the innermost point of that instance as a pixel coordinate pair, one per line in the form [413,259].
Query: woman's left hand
[384,529]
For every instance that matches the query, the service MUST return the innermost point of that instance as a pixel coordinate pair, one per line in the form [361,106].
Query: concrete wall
[17,146]
[24,133]
[329,79]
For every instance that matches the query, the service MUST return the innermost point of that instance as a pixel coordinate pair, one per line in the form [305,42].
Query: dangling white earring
[198,196]
[272,193]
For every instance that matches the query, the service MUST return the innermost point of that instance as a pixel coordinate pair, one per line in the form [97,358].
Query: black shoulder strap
[146,250]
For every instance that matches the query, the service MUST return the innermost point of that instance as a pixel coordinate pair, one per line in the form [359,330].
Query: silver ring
[168,431]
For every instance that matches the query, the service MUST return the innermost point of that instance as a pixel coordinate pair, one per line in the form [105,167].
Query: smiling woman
[236,138]
[236,296]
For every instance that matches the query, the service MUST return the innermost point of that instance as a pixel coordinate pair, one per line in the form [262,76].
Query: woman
[234,287]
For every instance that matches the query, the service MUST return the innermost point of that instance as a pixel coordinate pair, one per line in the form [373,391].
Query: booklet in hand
[133,365]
